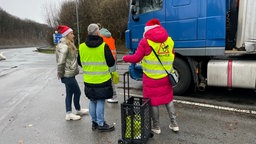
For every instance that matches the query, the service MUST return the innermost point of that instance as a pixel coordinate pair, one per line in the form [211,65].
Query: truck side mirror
[133,2]
[134,9]
[135,17]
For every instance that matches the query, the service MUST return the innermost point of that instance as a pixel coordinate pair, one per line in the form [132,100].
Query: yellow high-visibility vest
[95,68]
[150,64]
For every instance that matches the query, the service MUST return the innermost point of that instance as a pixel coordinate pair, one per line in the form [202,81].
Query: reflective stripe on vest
[95,69]
[111,43]
[150,64]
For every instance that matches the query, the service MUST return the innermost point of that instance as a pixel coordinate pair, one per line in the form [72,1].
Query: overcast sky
[29,9]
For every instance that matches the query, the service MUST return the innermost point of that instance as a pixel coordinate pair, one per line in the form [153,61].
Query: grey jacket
[66,58]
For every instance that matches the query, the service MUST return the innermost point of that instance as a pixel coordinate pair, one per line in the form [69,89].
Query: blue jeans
[96,109]
[72,88]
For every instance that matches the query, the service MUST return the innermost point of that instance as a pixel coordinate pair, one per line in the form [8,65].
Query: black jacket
[103,90]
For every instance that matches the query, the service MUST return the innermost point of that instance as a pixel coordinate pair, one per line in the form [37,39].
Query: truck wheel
[184,76]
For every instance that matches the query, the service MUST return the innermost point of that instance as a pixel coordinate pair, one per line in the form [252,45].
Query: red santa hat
[151,24]
[64,30]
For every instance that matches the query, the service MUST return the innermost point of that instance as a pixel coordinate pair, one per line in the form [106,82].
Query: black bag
[172,79]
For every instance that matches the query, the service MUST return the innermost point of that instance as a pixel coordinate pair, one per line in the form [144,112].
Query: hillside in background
[17,32]
[112,15]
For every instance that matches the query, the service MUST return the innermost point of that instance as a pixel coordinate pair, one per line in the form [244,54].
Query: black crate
[135,119]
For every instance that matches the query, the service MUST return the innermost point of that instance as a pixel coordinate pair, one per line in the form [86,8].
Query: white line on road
[217,107]
[210,106]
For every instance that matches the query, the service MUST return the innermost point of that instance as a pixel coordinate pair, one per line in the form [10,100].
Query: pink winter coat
[158,90]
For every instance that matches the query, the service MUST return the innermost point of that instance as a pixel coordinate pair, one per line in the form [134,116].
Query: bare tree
[52,15]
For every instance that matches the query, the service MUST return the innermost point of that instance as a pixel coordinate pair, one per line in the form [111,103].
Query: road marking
[217,107]
[210,106]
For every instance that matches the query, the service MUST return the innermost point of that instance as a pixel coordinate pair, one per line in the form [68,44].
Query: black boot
[106,128]
[94,125]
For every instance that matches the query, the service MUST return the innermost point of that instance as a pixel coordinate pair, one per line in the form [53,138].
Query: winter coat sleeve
[108,56]
[142,50]
[61,60]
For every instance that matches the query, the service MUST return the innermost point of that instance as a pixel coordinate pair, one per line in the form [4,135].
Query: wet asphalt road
[32,109]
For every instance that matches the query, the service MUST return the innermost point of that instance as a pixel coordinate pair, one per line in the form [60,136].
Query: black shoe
[94,125]
[106,128]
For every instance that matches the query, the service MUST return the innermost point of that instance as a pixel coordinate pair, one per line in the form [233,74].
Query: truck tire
[184,76]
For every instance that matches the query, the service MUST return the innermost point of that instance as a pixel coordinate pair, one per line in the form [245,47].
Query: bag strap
[159,60]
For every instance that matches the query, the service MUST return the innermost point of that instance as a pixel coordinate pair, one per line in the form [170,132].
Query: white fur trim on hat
[147,28]
[67,32]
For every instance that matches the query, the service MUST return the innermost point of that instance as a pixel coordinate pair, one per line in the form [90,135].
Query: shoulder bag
[172,77]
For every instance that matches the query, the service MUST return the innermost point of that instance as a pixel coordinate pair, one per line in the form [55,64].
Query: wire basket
[135,118]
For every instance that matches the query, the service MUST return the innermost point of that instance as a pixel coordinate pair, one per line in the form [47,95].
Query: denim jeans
[96,109]
[72,88]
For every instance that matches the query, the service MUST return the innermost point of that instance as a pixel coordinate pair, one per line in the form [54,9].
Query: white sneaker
[156,130]
[112,100]
[72,116]
[82,112]
[174,127]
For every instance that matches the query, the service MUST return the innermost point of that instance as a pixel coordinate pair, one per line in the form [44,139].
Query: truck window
[149,5]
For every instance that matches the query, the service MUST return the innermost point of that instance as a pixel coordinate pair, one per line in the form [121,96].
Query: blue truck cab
[203,30]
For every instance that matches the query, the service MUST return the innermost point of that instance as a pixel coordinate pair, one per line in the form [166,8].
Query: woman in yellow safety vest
[156,84]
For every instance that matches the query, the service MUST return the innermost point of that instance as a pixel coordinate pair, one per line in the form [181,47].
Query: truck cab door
[197,26]
[182,22]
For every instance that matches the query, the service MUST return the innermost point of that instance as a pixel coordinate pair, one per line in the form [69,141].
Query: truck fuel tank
[232,73]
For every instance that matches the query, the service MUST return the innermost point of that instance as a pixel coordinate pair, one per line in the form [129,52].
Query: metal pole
[77,23]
